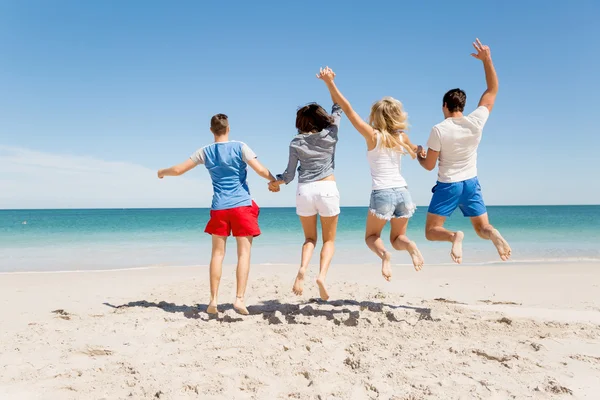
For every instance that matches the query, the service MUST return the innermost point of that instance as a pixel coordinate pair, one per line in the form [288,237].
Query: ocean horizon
[112,238]
[267,207]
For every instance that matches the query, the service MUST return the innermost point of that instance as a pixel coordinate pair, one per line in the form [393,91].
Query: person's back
[454,144]
[386,166]
[390,199]
[232,211]
[226,164]
[312,152]
[315,152]
[457,140]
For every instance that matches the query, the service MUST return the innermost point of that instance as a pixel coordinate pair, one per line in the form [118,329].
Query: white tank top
[385,167]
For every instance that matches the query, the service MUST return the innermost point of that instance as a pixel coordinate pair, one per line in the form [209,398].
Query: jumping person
[386,141]
[232,210]
[454,143]
[314,149]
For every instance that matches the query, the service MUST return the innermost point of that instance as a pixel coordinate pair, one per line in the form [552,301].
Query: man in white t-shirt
[454,143]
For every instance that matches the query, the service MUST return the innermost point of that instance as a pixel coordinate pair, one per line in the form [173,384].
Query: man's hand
[326,74]
[431,157]
[483,52]
[274,186]
[161,174]
[421,152]
[489,96]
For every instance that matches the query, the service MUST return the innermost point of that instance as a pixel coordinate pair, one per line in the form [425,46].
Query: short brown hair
[219,124]
[312,118]
[455,100]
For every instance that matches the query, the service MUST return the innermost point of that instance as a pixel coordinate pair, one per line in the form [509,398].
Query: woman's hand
[274,186]
[326,74]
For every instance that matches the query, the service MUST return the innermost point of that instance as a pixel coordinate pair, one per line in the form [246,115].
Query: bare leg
[486,231]
[309,225]
[244,247]
[401,242]
[373,239]
[216,269]
[329,230]
[435,231]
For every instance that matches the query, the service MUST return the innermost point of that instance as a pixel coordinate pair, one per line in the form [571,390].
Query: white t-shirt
[457,140]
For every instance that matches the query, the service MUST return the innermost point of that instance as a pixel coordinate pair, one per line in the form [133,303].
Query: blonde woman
[390,199]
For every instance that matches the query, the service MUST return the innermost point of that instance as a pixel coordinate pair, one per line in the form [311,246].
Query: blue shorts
[466,195]
[392,203]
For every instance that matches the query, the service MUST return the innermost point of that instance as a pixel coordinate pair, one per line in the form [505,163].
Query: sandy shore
[448,332]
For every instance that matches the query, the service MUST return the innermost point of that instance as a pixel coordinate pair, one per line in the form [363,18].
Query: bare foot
[456,252]
[299,283]
[212,308]
[240,307]
[386,268]
[322,289]
[415,254]
[501,245]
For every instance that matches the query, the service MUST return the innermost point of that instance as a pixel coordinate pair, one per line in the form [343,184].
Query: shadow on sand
[276,312]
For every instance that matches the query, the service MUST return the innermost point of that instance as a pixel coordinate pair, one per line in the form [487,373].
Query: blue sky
[98,95]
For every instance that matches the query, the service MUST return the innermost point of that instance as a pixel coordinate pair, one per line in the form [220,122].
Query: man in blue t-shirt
[232,210]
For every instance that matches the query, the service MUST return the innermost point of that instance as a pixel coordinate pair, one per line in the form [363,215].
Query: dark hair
[219,124]
[455,100]
[312,118]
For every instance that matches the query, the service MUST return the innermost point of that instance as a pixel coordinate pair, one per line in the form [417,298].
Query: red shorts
[241,221]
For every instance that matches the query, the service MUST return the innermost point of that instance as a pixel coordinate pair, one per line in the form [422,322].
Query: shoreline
[551,261]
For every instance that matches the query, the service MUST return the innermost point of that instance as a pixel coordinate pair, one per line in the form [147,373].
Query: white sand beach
[497,331]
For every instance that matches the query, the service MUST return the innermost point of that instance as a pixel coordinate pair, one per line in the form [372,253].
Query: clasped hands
[275,186]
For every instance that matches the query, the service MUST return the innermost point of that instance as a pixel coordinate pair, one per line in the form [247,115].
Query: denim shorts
[465,195]
[392,203]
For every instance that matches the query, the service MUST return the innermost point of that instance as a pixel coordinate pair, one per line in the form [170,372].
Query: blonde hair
[389,118]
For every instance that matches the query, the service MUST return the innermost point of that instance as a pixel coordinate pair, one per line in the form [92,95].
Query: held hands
[483,52]
[421,152]
[326,74]
[274,186]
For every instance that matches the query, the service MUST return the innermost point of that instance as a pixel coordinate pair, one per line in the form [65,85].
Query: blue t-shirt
[226,164]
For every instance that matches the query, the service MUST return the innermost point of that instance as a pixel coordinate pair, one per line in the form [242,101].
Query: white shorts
[320,197]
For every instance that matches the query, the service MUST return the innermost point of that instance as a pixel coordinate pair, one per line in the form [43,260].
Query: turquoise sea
[57,240]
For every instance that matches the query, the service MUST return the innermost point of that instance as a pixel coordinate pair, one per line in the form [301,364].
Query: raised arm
[336,113]
[484,54]
[327,75]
